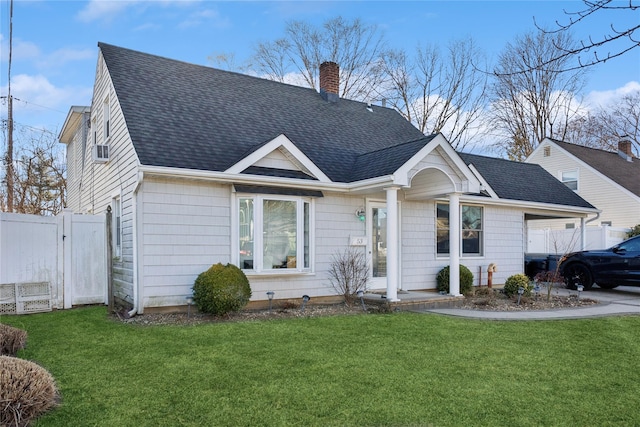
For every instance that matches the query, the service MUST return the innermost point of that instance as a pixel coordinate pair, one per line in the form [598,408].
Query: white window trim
[577,171]
[483,239]
[106,121]
[116,205]
[258,238]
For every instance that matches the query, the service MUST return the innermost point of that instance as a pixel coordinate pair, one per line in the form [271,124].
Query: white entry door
[377,244]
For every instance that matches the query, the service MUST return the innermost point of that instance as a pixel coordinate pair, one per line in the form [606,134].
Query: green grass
[400,369]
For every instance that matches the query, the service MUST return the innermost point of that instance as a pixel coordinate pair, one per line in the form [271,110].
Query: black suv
[608,268]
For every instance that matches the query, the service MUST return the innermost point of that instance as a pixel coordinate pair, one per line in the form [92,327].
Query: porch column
[583,235]
[392,243]
[454,244]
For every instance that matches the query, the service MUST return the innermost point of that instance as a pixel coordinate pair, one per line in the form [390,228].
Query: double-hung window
[274,233]
[471,229]
[570,179]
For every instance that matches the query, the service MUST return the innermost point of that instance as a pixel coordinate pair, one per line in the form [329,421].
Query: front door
[377,250]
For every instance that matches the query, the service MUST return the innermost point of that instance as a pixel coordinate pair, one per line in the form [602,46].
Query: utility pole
[10,154]
[10,120]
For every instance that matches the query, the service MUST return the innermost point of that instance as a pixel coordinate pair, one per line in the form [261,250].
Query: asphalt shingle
[190,116]
[523,181]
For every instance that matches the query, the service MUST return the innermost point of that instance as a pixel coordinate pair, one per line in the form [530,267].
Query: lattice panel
[20,298]
[8,298]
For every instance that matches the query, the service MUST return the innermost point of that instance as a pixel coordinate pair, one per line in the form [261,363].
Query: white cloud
[209,16]
[36,97]
[103,10]
[107,10]
[62,56]
[22,50]
[601,99]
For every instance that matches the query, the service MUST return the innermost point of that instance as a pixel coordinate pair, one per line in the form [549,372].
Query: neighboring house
[609,181]
[201,166]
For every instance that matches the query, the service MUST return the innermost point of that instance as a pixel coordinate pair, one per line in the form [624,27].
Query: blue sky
[55,42]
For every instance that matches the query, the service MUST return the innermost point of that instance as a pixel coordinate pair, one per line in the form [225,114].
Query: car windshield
[631,245]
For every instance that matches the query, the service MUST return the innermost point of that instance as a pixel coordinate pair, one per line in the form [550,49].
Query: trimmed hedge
[221,289]
[516,281]
[466,280]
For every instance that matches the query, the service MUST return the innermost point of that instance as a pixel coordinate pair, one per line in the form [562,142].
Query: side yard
[370,369]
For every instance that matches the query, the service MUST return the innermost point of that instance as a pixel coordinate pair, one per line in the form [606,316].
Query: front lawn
[398,369]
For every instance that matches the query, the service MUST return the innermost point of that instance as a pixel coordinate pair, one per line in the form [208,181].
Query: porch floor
[413,300]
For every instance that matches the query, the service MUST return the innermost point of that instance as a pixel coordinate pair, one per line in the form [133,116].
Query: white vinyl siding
[186,228]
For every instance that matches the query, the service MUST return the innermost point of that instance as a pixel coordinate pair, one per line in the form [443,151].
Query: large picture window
[471,229]
[274,233]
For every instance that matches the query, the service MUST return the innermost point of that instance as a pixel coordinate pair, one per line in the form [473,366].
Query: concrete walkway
[623,300]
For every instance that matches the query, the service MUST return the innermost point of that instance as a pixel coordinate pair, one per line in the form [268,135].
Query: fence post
[110,302]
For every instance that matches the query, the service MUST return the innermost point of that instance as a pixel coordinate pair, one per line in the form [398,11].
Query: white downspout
[134,231]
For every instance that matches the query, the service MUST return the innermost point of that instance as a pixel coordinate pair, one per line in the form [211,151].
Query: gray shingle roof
[190,116]
[611,165]
[523,181]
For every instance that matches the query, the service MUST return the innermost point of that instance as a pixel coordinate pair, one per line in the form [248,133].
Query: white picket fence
[549,241]
[52,262]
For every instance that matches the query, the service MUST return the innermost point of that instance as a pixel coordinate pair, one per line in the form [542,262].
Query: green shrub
[11,340]
[635,231]
[221,289]
[26,391]
[516,281]
[466,280]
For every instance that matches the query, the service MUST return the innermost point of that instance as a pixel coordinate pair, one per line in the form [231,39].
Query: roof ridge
[396,145]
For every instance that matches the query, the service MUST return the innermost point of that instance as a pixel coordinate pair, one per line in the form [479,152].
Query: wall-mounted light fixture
[360,213]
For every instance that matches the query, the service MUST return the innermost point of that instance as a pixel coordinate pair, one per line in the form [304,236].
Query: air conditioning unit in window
[100,153]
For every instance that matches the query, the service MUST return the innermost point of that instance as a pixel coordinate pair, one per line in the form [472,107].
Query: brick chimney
[329,81]
[624,150]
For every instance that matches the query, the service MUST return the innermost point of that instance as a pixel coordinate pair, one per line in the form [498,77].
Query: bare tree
[349,273]
[619,39]
[604,127]
[436,92]
[39,178]
[353,45]
[530,105]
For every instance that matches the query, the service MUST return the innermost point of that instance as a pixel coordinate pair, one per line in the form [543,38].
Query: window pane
[442,226]
[443,216]
[246,233]
[471,218]
[570,179]
[279,234]
[443,241]
[470,242]
[306,235]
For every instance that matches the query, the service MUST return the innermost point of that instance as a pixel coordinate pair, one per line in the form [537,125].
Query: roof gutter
[225,177]
[582,211]
[136,280]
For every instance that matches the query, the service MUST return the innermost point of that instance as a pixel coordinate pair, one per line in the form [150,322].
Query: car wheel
[578,274]
[607,285]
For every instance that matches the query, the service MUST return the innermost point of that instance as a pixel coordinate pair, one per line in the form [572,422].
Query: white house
[608,180]
[203,166]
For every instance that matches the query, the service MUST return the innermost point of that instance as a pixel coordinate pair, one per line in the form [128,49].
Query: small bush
[221,289]
[516,281]
[26,391]
[466,280]
[11,340]
[349,273]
